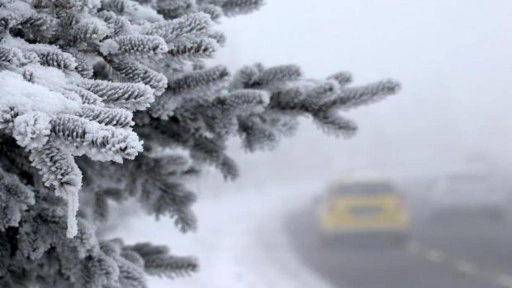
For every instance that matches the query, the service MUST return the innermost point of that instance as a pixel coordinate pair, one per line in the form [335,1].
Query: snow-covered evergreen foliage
[88,84]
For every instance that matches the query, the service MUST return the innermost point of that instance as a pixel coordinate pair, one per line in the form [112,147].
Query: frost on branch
[106,100]
[156,260]
[54,126]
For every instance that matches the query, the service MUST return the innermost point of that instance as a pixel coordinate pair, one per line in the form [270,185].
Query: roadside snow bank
[273,255]
[240,242]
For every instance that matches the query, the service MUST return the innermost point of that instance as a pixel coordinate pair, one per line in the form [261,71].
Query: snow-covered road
[240,242]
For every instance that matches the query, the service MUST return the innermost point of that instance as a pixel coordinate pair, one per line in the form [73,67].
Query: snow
[32,129]
[25,96]
[19,8]
[144,12]
[92,4]
[92,28]
[240,241]
[108,47]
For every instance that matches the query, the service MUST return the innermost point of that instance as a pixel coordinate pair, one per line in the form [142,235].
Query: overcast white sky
[453,57]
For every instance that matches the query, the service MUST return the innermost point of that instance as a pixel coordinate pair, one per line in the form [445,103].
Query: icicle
[72,198]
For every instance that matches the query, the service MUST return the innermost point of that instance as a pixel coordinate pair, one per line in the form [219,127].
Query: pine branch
[356,96]
[86,96]
[57,59]
[14,200]
[174,29]
[275,75]
[332,123]
[89,30]
[171,199]
[170,266]
[87,83]
[130,276]
[198,80]
[343,78]
[137,72]
[58,169]
[193,49]
[147,250]
[133,44]
[10,55]
[131,96]
[238,7]
[97,141]
[107,116]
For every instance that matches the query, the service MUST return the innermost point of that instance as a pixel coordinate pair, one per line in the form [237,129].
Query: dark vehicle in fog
[363,208]
[466,196]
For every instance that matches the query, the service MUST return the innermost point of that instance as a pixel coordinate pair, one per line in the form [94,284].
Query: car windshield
[364,188]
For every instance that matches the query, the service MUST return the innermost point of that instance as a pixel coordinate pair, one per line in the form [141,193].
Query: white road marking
[504,280]
[435,256]
[466,267]
[414,247]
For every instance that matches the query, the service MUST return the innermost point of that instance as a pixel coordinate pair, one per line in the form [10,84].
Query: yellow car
[363,207]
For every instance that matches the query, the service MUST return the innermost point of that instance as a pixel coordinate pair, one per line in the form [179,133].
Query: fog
[453,59]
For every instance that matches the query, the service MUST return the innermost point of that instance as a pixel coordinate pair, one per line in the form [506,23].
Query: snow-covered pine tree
[86,84]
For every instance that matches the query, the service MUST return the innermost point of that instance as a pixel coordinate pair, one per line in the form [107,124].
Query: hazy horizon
[453,62]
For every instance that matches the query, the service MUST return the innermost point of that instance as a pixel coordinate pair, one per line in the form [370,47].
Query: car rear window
[364,188]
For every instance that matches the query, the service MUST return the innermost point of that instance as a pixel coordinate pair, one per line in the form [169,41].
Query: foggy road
[441,255]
